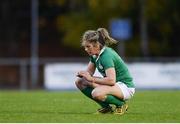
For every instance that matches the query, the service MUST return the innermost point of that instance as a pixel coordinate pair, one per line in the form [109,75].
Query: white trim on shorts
[127,92]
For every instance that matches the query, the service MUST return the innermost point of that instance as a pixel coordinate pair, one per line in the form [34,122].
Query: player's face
[91,48]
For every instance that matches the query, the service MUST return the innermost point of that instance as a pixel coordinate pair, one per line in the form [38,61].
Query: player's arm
[89,71]
[110,78]
[91,68]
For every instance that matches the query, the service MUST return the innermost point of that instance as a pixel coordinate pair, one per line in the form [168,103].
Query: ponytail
[101,35]
[107,39]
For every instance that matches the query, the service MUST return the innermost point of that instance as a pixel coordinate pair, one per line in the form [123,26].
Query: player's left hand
[86,75]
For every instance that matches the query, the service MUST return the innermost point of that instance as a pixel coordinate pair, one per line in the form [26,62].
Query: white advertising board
[61,76]
[145,75]
[156,75]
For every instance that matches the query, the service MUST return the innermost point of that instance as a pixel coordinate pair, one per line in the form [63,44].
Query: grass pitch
[61,107]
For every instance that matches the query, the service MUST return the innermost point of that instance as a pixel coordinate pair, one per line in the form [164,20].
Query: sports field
[71,106]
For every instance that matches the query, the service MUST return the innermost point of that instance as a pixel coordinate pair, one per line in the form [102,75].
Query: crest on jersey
[100,66]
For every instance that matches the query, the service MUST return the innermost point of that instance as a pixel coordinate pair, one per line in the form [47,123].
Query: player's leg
[127,93]
[84,87]
[81,83]
[113,95]
[109,94]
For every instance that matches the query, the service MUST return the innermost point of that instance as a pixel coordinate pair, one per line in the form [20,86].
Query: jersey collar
[102,50]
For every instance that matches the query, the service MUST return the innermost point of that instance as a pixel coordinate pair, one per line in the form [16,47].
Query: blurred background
[36,33]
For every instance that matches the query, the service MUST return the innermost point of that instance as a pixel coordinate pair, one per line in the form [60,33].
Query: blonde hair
[101,35]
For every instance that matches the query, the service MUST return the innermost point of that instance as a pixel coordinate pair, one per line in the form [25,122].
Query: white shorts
[127,92]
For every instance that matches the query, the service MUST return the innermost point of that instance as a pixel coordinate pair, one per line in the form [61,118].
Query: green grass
[43,106]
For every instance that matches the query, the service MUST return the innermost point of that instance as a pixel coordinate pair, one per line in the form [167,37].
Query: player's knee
[97,95]
[79,83]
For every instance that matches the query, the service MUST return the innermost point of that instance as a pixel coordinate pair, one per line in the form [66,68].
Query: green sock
[114,100]
[87,91]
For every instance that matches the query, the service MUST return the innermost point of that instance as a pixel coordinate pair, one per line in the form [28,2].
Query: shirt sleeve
[107,62]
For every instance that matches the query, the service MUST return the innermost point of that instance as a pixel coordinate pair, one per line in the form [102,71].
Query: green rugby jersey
[109,58]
